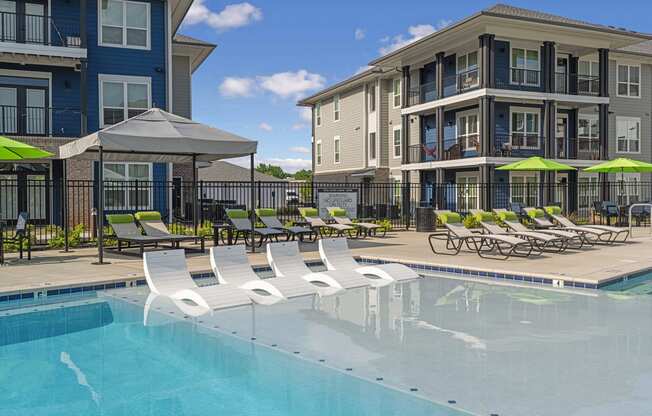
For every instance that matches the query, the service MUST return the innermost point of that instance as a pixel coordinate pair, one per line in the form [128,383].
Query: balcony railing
[40,30]
[459,147]
[576,84]
[515,143]
[468,80]
[520,78]
[585,148]
[419,153]
[39,121]
[423,93]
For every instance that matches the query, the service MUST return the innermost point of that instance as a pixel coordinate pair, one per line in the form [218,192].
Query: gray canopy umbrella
[159,136]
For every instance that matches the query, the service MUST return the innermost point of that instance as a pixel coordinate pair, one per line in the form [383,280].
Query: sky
[271,53]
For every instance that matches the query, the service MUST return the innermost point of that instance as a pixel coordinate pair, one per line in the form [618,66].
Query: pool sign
[345,199]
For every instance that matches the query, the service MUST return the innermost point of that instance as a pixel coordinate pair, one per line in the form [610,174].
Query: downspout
[168,56]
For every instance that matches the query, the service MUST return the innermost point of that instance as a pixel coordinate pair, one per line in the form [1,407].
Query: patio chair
[230,265]
[335,254]
[166,273]
[511,220]
[239,218]
[21,236]
[126,231]
[153,226]
[617,233]
[607,211]
[543,242]
[538,217]
[365,229]
[286,260]
[269,218]
[311,215]
[457,235]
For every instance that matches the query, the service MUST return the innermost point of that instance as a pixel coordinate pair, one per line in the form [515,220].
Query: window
[588,137]
[372,98]
[629,81]
[123,97]
[318,114]
[467,192]
[525,189]
[336,108]
[525,66]
[587,190]
[396,90]
[396,143]
[124,24]
[372,146]
[524,132]
[467,69]
[628,134]
[318,151]
[467,131]
[629,189]
[122,192]
[588,77]
[336,149]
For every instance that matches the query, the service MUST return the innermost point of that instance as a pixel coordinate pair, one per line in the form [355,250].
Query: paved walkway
[51,269]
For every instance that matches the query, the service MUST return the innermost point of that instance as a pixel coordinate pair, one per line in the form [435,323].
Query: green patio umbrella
[536,164]
[621,165]
[13,150]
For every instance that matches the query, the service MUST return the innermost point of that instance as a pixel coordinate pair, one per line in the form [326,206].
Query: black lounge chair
[239,218]
[153,226]
[126,231]
[618,234]
[269,218]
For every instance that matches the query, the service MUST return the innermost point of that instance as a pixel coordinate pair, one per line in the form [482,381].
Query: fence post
[64,207]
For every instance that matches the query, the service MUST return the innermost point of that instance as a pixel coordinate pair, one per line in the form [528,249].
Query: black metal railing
[422,93]
[39,121]
[511,144]
[38,29]
[459,147]
[576,84]
[522,78]
[468,80]
[419,153]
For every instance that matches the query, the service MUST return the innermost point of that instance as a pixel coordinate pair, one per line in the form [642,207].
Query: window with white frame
[629,81]
[318,114]
[396,142]
[467,70]
[396,91]
[124,24]
[588,77]
[588,189]
[336,108]
[123,97]
[397,188]
[629,188]
[524,128]
[588,136]
[318,152]
[467,192]
[525,66]
[372,146]
[628,135]
[372,98]
[127,185]
[524,188]
[467,131]
[336,149]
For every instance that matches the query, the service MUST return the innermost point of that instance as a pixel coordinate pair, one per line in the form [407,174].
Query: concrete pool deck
[596,266]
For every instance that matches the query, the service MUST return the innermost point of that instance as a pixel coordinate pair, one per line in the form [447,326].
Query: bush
[471,222]
[74,236]
[386,224]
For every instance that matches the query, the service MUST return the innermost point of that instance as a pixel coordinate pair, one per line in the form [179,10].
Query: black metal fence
[60,210]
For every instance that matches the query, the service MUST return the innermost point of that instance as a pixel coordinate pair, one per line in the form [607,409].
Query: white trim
[150,178]
[498,161]
[100,41]
[524,175]
[372,160]
[318,120]
[628,83]
[466,114]
[42,50]
[526,110]
[124,79]
[525,49]
[343,170]
[337,150]
[466,68]
[394,95]
[400,150]
[319,152]
[337,110]
[627,119]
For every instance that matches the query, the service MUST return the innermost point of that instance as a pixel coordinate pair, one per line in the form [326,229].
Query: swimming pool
[637,285]
[498,348]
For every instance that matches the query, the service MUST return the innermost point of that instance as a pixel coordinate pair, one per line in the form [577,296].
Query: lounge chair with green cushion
[617,233]
[512,221]
[239,218]
[340,216]
[485,245]
[311,215]
[538,217]
[126,231]
[153,226]
[544,242]
[269,218]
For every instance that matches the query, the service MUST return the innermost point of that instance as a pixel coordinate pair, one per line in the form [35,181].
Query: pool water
[639,285]
[94,356]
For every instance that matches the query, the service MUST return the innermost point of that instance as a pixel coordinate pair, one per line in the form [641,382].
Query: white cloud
[306,114]
[237,87]
[415,33]
[299,126]
[299,149]
[231,17]
[359,34]
[291,84]
[264,126]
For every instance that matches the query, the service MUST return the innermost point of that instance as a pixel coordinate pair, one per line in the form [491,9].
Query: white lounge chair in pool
[336,256]
[231,266]
[167,274]
[286,260]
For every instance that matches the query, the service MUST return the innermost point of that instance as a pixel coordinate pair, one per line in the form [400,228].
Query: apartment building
[503,84]
[71,67]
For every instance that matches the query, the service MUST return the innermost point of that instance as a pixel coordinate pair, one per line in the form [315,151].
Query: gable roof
[197,50]
[225,171]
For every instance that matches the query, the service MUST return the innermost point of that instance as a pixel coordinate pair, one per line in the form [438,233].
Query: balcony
[419,153]
[461,147]
[423,93]
[584,148]
[39,121]
[453,85]
[577,84]
[516,145]
[521,79]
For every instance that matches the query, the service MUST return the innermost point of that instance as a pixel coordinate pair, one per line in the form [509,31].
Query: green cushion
[309,212]
[536,213]
[484,216]
[266,212]
[508,216]
[450,218]
[120,218]
[337,212]
[148,216]
[553,210]
[237,213]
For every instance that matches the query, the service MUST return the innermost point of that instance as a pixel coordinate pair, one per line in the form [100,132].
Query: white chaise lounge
[286,260]
[167,274]
[336,256]
[231,266]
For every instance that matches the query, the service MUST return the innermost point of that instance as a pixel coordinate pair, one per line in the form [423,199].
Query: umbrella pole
[252,215]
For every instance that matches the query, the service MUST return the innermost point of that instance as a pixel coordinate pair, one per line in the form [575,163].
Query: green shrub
[471,222]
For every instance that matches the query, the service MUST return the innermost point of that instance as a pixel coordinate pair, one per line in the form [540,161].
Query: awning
[162,137]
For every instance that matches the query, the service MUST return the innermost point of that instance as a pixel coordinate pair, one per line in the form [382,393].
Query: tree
[303,175]
[271,170]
